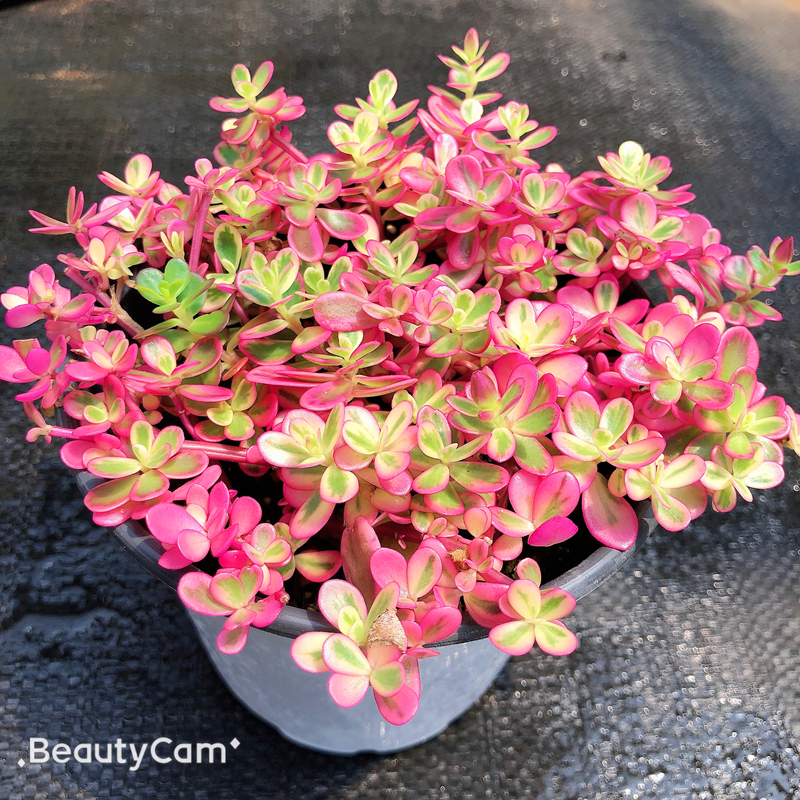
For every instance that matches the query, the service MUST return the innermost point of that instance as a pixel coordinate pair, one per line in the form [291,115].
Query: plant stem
[219,452]
[288,148]
[78,279]
[199,228]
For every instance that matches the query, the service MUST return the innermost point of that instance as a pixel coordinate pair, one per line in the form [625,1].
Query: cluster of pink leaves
[435,342]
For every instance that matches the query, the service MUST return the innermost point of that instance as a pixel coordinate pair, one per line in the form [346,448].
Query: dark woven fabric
[685,684]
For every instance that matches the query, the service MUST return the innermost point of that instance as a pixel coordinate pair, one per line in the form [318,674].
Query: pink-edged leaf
[556,496]
[341,654]
[166,520]
[149,485]
[528,569]
[337,486]
[390,464]
[113,466]
[318,565]
[233,641]
[479,477]
[701,344]
[556,603]
[671,514]
[582,415]
[306,651]
[110,495]
[639,454]
[510,523]
[325,396]
[193,589]
[617,417]
[611,520]
[281,450]
[666,392]
[464,175]
[638,212]
[342,224]
[522,490]
[201,393]
[683,471]
[388,679]
[387,566]
[737,349]
[439,623]
[187,464]
[555,530]
[711,394]
[767,476]
[194,545]
[522,601]
[342,311]
[400,708]
[483,604]
[424,571]
[738,445]
[501,445]
[434,479]
[555,639]
[311,516]
[567,369]
[576,447]
[634,367]
[334,595]
[346,690]
[515,638]
[307,242]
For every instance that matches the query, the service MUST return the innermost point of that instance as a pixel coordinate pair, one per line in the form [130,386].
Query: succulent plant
[426,344]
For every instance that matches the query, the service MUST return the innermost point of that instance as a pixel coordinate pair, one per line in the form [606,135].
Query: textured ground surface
[686,681]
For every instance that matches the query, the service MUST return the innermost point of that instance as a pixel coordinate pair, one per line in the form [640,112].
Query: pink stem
[199,228]
[77,278]
[288,148]
[219,452]
[62,433]
[184,417]
[240,312]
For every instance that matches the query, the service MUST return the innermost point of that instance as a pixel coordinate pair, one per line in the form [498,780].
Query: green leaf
[209,323]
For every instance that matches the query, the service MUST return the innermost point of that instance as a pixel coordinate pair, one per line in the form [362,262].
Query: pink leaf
[347,690]
[464,175]
[400,708]
[553,531]
[342,224]
[307,651]
[424,571]
[483,604]
[515,638]
[233,641]
[193,589]
[341,654]
[342,311]
[611,520]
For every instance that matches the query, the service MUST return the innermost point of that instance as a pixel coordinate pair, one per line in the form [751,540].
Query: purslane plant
[432,340]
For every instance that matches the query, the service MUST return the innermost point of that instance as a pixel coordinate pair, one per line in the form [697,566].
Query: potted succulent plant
[352,405]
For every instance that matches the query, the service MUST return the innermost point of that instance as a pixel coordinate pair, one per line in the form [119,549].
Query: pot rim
[594,570]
